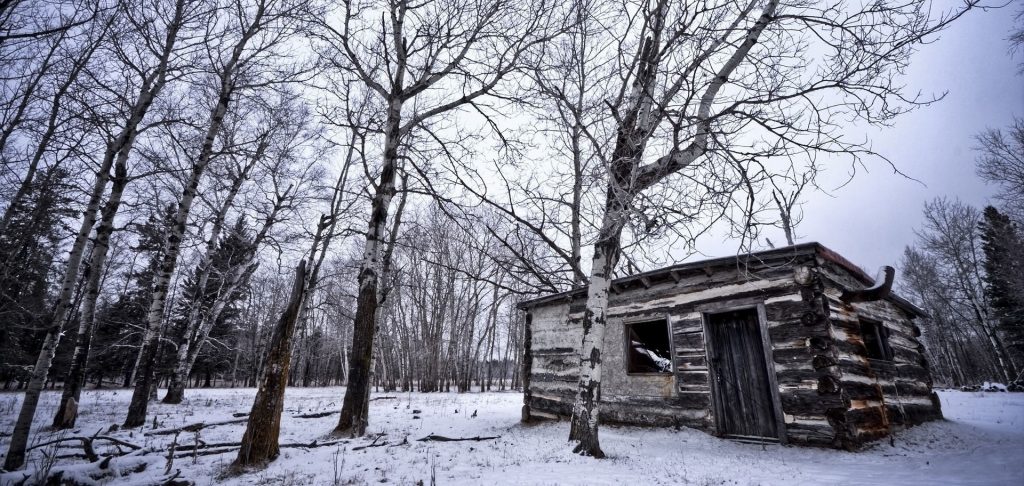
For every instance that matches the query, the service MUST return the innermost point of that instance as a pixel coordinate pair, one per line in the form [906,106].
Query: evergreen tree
[120,324]
[235,249]
[1004,279]
[27,252]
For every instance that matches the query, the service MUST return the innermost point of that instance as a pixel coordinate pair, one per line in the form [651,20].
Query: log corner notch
[879,290]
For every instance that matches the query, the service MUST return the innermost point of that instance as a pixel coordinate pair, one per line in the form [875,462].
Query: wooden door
[744,402]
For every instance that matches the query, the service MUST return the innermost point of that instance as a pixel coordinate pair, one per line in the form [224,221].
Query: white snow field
[980,442]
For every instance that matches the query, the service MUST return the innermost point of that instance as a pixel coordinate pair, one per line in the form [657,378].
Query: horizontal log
[797,376]
[796,332]
[553,351]
[785,310]
[801,355]
[857,390]
[537,378]
[808,402]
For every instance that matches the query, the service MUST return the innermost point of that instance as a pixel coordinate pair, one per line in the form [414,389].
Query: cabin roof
[776,254]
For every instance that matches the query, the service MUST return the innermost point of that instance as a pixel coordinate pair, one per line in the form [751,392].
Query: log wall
[881,395]
[830,394]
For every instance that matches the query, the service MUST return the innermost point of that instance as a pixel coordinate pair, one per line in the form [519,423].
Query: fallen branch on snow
[441,438]
[315,415]
[372,444]
[194,427]
[205,449]
[89,451]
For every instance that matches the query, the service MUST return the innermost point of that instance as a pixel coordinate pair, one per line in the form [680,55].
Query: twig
[372,444]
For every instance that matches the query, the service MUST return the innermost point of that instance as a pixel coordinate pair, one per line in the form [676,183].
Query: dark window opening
[876,340]
[648,348]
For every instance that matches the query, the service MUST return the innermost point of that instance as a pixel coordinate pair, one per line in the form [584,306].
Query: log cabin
[793,345]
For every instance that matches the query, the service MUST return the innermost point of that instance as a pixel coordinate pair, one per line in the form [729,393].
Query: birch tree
[423,63]
[153,70]
[260,440]
[708,87]
[277,151]
[243,42]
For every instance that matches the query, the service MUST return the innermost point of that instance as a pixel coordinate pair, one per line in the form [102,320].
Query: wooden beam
[879,290]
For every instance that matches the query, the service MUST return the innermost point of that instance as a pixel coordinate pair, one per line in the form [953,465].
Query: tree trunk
[259,442]
[354,418]
[65,417]
[19,439]
[172,245]
[195,333]
[583,428]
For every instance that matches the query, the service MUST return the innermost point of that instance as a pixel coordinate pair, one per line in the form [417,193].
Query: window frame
[881,336]
[626,347]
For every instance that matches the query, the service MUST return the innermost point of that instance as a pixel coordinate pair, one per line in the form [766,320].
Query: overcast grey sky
[873,218]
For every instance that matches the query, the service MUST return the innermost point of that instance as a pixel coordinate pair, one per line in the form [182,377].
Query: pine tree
[1004,281]
[234,250]
[27,254]
[117,335]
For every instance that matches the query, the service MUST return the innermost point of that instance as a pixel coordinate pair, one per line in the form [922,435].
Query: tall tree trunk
[151,87]
[19,438]
[585,414]
[194,337]
[172,245]
[627,178]
[259,442]
[354,418]
[67,411]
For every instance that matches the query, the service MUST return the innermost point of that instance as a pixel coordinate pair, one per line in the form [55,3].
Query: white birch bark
[150,88]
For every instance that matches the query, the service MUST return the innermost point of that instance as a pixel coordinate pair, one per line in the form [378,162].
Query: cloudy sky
[873,218]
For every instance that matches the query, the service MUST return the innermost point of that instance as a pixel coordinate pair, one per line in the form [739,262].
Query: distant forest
[966,270]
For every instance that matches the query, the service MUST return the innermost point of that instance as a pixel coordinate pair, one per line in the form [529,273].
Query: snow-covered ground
[980,442]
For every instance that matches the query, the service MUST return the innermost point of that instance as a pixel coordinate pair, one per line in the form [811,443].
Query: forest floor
[980,442]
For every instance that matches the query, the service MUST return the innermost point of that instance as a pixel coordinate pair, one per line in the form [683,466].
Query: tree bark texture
[260,440]
[67,414]
[354,417]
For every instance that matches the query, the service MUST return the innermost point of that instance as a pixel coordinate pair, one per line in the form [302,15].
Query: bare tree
[278,148]
[787,200]
[420,68]
[946,273]
[260,440]
[1001,162]
[243,44]
[728,96]
[154,71]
